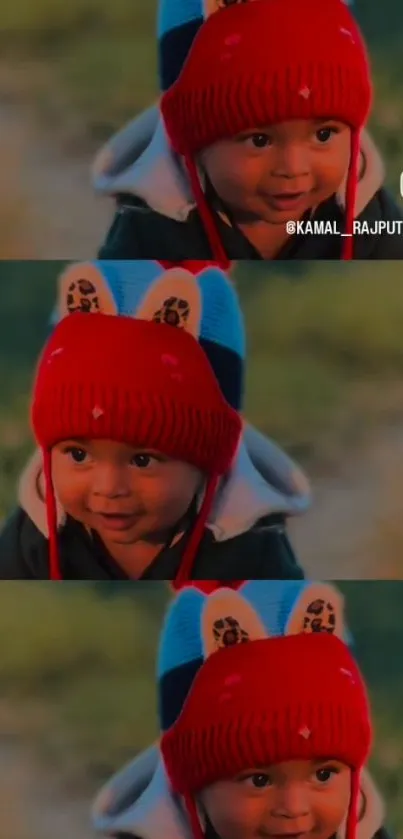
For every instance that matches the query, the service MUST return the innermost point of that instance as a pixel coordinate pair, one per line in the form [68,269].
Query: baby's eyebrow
[79,441]
[322,760]
[324,119]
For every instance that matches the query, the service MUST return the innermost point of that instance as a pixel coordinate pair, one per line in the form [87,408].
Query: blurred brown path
[48,209]
[33,804]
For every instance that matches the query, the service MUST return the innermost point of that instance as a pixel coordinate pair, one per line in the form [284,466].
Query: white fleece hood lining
[139,161]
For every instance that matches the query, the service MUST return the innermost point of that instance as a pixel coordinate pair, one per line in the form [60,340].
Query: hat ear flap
[319,608]
[173,298]
[82,287]
[229,619]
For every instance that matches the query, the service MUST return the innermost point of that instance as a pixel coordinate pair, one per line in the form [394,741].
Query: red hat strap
[191,809]
[51,514]
[352,816]
[185,571]
[206,215]
[351,192]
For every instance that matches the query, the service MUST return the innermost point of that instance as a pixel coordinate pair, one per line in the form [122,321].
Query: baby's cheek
[71,492]
[330,812]
[163,498]
[332,169]
[241,818]
[328,182]
[226,166]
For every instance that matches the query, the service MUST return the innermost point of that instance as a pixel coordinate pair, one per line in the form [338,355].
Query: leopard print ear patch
[173,298]
[227,620]
[319,608]
[83,288]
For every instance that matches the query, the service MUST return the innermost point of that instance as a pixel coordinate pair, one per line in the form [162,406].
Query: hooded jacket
[156,217]
[137,802]
[244,539]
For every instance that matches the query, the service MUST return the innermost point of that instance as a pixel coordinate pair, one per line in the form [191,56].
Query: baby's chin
[120,537]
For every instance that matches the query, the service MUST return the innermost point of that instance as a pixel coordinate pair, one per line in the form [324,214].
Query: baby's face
[124,494]
[299,799]
[276,173]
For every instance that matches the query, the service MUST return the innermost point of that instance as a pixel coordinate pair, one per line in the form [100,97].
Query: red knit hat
[265,62]
[296,697]
[134,381]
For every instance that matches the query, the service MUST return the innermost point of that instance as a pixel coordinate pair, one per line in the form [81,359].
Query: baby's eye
[259,780]
[76,454]
[325,134]
[325,774]
[143,460]
[259,141]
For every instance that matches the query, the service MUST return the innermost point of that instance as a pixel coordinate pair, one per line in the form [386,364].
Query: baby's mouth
[298,835]
[286,201]
[116,521]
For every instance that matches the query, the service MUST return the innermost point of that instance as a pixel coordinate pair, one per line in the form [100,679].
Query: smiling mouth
[116,515]
[116,521]
[287,197]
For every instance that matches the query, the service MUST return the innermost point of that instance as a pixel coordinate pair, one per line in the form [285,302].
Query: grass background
[77,674]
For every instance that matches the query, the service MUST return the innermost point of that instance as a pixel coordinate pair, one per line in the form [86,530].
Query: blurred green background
[78,687]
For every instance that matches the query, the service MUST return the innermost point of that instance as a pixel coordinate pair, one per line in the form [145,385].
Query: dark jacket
[138,232]
[156,217]
[264,552]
